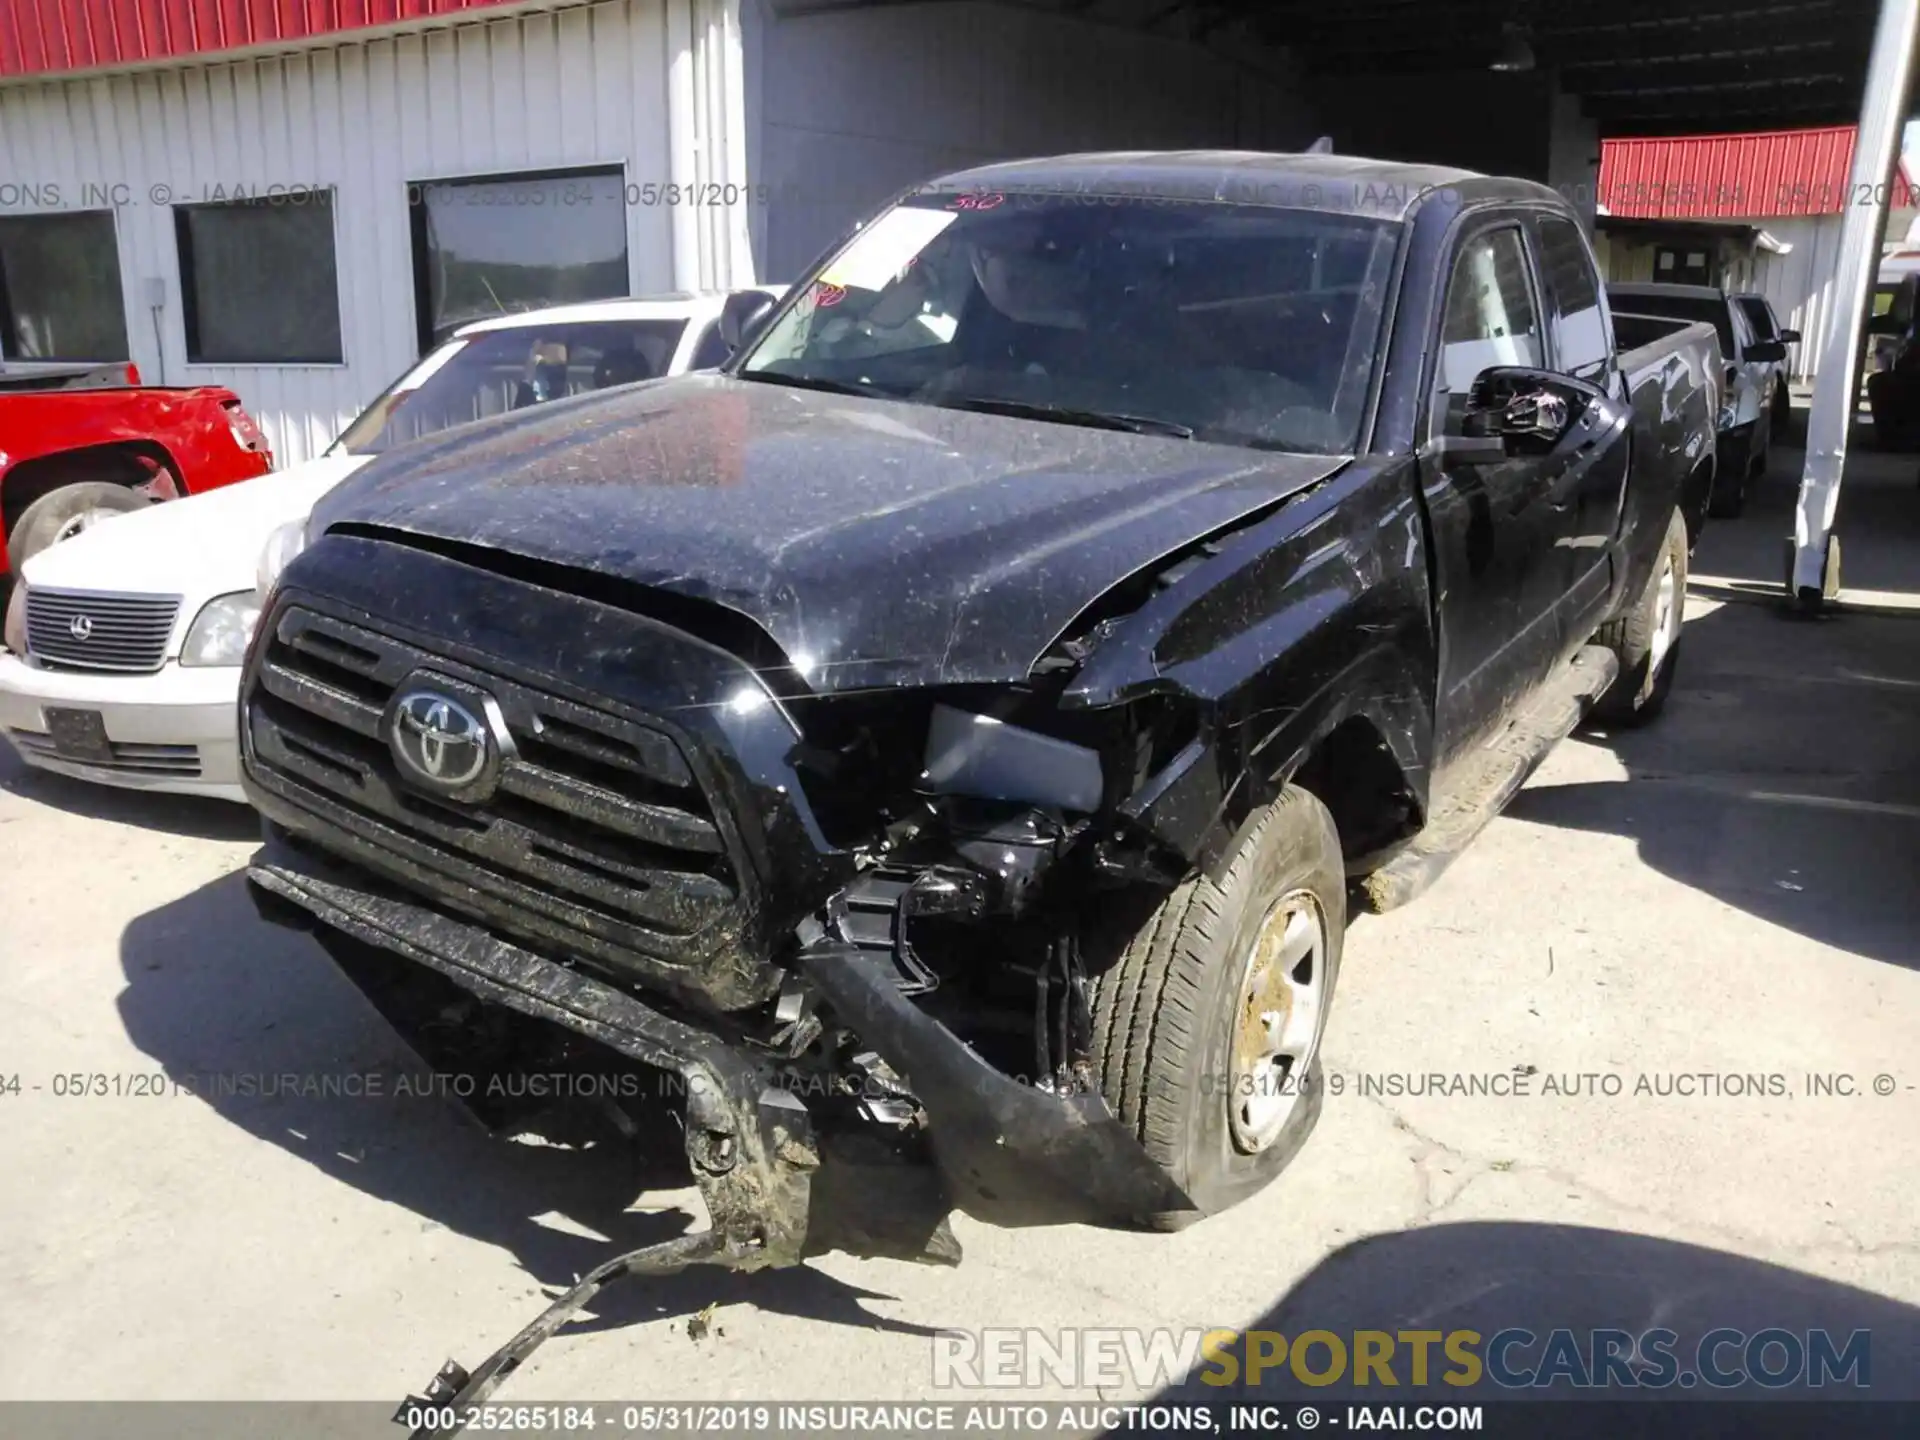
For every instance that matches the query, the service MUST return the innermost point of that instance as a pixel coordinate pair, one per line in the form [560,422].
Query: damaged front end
[856,929]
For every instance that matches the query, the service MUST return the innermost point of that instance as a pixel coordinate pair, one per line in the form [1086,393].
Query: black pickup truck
[949,738]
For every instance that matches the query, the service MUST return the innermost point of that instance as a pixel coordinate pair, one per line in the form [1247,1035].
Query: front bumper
[174,731]
[1003,1152]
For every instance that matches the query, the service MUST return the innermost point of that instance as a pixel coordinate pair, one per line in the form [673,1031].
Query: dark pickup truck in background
[82,444]
[1648,344]
[1752,373]
[949,737]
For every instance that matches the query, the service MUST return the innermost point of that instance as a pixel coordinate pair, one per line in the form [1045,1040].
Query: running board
[1478,785]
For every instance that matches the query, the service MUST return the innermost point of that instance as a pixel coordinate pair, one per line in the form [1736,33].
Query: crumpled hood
[198,546]
[877,542]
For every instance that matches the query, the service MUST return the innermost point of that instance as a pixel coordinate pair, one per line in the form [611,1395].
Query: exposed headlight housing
[977,755]
[16,635]
[282,546]
[220,632]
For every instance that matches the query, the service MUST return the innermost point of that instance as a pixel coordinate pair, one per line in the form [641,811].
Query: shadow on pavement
[228,1004]
[1491,1276]
[1783,778]
[189,815]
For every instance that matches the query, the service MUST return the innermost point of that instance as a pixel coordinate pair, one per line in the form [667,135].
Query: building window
[494,244]
[60,296]
[257,281]
[1682,265]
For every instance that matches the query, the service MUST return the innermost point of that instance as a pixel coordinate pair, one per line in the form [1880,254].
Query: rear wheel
[63,513]
[1762,448]
[1646,639]
[1731,477]
[1207,1028]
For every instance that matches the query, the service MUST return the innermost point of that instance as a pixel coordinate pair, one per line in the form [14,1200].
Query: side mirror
[1514,410]
[1766,351]
[1789,337]
[742,316]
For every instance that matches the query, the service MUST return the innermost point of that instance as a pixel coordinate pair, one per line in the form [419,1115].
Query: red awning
[1753,176]
[51,36]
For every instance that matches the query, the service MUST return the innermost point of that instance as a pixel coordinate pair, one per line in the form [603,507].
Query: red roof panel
[1712,177]
[46,37]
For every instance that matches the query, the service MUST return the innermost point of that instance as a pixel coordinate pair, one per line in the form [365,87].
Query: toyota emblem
[80,627]
[439,740]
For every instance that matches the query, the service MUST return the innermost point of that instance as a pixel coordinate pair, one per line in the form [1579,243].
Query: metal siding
[1799,283]
[50,36]
[1703,177]
[546,89]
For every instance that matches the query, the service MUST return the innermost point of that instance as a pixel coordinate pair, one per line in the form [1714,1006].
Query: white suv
[126,641]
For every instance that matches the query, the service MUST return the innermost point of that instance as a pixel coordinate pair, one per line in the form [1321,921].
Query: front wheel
[63,513]
[1207,1028]
[1646,639]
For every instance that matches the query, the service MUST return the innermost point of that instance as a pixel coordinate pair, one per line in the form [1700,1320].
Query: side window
[1490,317]
[1579,327]
[712,350]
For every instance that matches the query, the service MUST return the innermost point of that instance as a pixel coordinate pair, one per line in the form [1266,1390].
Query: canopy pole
[1836,390]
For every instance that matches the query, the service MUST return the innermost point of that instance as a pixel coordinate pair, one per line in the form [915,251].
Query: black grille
[599,834]
[95,630]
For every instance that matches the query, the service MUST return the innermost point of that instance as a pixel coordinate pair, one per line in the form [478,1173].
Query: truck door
[1493,525]
[1749,390]
[1591,488]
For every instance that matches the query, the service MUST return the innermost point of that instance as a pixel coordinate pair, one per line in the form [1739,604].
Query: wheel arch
[133,463]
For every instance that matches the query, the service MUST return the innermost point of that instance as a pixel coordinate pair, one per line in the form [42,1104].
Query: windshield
[1684,307]
[1232,323]
[498,370]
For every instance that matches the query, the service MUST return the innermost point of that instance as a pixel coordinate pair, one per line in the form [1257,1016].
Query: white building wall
[580,85]
[848,107]
[1800,283]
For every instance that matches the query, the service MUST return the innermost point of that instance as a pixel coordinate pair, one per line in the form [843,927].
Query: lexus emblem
[80,627]
[440,740]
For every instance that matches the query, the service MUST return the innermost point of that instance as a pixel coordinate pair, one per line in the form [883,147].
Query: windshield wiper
[820,382]
[1063,415]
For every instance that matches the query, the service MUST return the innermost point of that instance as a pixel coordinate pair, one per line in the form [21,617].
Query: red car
[76,447]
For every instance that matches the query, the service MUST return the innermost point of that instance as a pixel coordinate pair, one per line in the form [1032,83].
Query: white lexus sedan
[124,644]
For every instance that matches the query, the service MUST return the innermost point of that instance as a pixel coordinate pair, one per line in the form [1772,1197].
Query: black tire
[1167,1012]
[1729,496]
[1760,451]
[1639,694]
[41,522]
[1696,499]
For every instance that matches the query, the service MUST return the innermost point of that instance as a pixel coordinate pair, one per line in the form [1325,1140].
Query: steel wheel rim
[1666,617]
[85,520]
[1278,1019]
